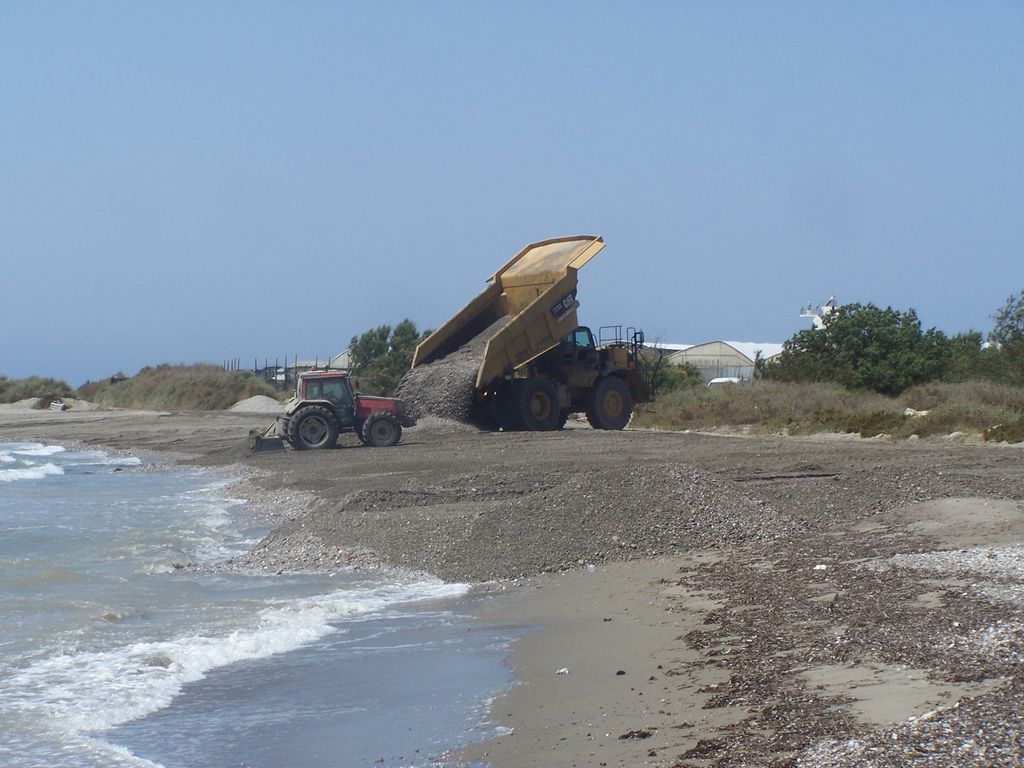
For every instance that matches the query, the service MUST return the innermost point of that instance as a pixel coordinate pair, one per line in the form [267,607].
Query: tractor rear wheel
[609,404]
[382,430]
[312,428]
[534,405]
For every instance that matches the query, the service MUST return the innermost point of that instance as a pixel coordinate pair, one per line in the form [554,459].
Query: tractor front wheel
[382,430]
[312,428]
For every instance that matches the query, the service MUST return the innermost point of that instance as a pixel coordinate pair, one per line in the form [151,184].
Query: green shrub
[864,347]
[665,377]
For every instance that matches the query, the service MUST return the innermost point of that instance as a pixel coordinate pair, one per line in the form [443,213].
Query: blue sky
[197,181]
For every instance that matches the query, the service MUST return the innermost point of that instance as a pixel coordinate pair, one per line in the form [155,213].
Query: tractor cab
[334,387]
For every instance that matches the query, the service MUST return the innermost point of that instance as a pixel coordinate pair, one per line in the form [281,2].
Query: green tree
[1008,334]
[382,355]
[366,349]
[864,347]
[970,358]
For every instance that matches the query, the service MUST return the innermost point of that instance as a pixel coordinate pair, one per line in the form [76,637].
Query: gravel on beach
[444,388]
[818,580]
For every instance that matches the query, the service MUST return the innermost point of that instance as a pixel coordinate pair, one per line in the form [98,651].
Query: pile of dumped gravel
[258,404]
[444,388]
[482,527]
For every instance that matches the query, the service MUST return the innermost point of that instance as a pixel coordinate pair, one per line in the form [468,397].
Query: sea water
[116,650]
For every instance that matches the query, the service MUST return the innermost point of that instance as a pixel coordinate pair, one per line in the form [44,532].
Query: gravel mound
[439,426]
[21,405]
[481,527]
[257,404]
[82,405]
[444,388]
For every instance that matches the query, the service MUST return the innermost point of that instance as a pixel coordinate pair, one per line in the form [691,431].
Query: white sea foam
[36,449]
[34,461]
[31,472]
[93,691]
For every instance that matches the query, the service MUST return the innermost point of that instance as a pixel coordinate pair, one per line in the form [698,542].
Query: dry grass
[48,390]
[197,387]
[768,404]
[968,393]
[974,408]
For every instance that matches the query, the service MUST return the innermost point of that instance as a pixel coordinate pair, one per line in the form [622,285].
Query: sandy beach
[699,600]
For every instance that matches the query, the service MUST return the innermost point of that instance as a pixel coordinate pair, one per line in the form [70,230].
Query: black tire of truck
[313,428]
[358,429]
[534,405]
[609,404]
[382,430]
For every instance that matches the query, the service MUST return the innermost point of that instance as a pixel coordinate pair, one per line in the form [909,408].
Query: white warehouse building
[721,359]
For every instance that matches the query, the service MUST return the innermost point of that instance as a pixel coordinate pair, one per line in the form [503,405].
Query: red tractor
[324,406]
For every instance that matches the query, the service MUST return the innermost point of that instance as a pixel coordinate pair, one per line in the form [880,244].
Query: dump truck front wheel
[312,428]
[534,406]
[382,430]
[610,404]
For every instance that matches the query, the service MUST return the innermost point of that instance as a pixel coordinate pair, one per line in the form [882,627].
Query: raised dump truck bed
[537,290]
[541,365]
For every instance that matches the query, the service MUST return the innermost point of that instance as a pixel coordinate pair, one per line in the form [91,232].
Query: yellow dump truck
[540,365]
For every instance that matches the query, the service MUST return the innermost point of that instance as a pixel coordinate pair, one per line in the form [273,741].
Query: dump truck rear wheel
[534,405]
[610,404]
[382,430]
[312,428]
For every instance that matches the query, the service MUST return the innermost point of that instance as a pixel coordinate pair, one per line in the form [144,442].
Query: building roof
[768,349]
[748,349]
[669,347]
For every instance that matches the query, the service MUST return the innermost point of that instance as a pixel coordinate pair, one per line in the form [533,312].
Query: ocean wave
[88,692]
[31,472]
[101,459]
